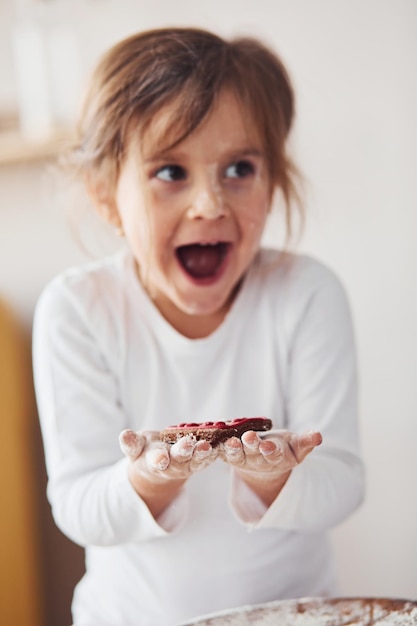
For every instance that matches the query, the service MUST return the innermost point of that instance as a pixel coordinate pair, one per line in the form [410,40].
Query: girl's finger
[250,441]
[183,449]
[132,443]
[203,455]
[157,458]
[202,450]
[271,449]
[233,450]
[302,445]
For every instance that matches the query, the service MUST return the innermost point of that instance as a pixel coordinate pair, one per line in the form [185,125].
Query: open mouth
[203,261]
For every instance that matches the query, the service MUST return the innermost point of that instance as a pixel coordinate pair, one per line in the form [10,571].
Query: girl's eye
[240,169]
[171,173]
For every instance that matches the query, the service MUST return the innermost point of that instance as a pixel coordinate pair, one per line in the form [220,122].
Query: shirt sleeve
[81,417]
[322,394]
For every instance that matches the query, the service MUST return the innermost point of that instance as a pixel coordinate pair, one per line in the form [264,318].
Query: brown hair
[186,68]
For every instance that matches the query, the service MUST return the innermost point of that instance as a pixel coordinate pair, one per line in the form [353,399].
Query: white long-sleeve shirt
[105,360]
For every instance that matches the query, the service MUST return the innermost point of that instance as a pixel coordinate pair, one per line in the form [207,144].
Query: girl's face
[193,215]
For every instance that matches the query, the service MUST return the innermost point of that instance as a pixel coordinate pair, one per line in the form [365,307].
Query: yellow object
[20,588]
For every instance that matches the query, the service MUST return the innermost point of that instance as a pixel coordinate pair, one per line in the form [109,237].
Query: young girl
[182,144]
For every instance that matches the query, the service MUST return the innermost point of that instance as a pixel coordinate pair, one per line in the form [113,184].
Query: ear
[101,194]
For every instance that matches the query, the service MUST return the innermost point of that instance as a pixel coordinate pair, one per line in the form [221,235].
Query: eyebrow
[254,152]
[173,155]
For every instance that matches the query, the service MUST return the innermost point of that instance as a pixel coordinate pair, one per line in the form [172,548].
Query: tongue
[201,261]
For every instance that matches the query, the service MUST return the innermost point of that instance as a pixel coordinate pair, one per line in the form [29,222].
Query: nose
[207,201]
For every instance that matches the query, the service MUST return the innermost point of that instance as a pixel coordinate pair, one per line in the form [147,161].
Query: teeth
[201,243]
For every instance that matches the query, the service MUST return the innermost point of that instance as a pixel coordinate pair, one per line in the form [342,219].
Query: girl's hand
[265,464]
[157,470]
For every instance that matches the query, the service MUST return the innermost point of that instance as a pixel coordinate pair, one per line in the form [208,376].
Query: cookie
[215,432]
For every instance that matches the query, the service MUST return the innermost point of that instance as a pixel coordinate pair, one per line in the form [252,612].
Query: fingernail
[269,447]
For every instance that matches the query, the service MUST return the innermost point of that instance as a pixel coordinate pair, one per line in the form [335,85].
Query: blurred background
[353,63]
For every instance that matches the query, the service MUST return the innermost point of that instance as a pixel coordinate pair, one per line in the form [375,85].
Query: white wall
[354,66]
